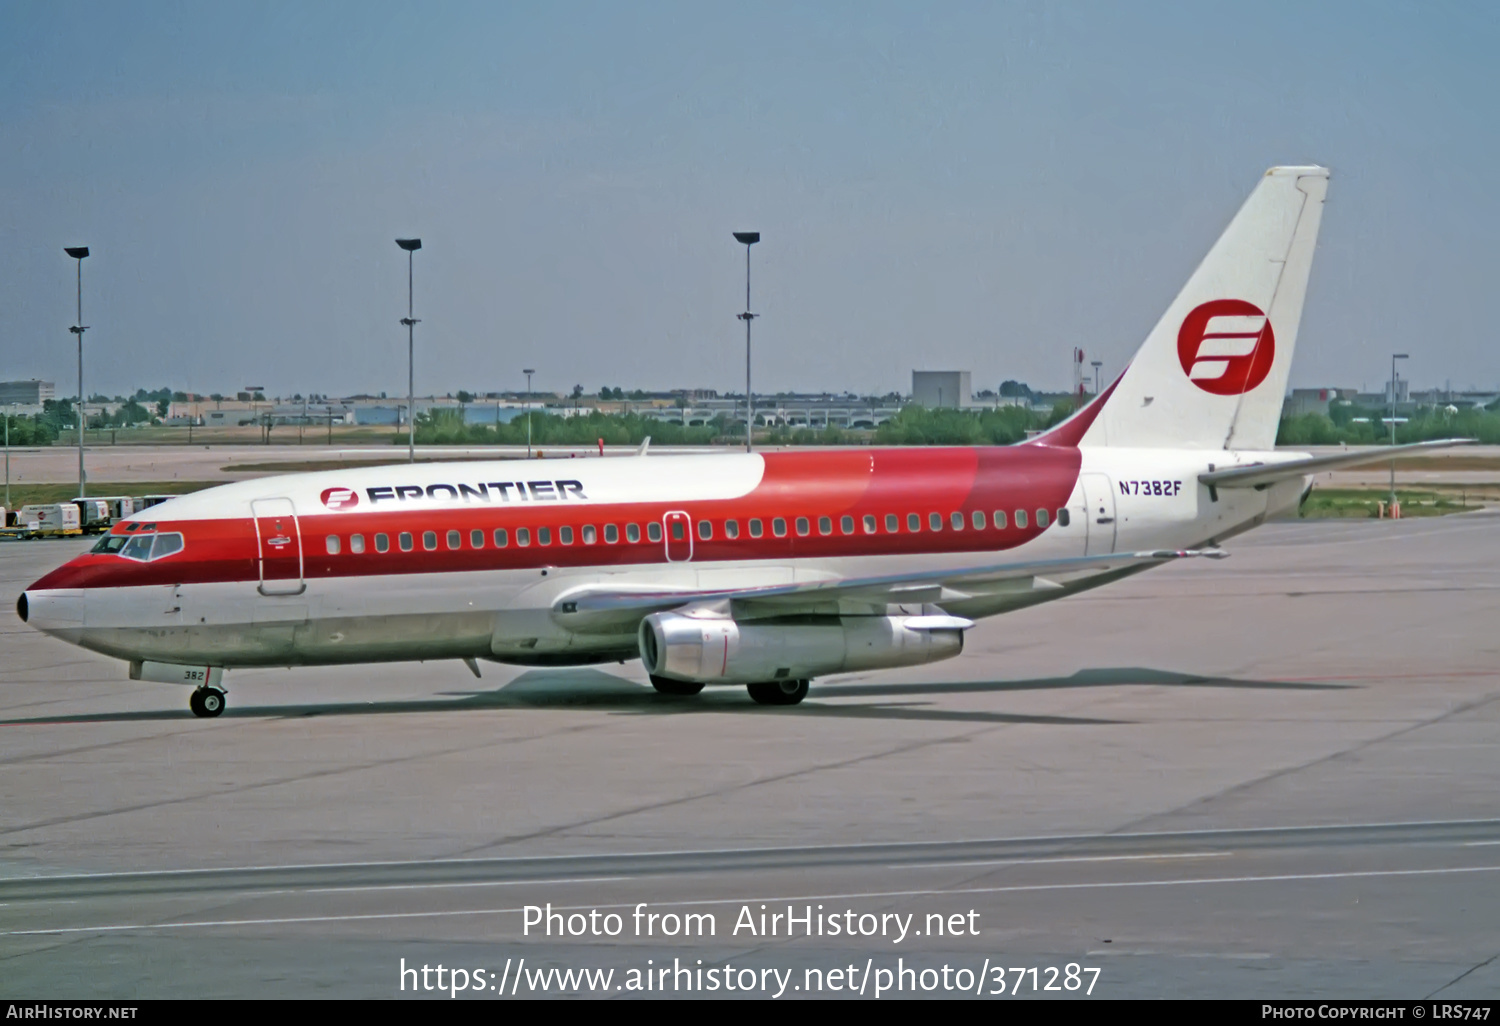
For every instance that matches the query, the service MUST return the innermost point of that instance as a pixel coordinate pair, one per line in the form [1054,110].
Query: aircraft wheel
[206,702]
[778,692]
[668,686]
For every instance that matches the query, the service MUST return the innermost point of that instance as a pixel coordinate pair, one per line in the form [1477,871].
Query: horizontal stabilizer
[1261,475]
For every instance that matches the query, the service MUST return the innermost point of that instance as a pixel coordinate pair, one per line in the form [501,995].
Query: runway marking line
[432,886]
[924,892]
[1076,858]
[1036,839]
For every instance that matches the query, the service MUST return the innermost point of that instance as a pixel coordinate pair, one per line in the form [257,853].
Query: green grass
[39,494]
[1365,502]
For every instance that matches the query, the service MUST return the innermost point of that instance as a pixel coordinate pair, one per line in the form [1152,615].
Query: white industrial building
[935,389]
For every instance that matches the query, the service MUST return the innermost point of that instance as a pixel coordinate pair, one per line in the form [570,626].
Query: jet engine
[718,650]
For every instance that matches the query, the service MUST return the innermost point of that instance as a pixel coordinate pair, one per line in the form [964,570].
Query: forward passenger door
[279,541]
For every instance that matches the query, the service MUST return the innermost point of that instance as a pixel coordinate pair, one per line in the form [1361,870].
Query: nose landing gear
[206,702]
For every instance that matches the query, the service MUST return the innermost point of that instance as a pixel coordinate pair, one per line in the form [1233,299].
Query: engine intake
[724,651]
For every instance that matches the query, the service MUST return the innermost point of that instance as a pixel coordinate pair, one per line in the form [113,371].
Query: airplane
[758,569]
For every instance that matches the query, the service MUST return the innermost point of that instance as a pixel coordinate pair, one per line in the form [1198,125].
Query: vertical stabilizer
[1213,372]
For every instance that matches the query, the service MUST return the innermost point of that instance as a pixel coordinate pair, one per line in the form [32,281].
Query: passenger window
[731,528]
[166,544]
[999,519]
[869,523]
[653,531]
[429,540]
[1063,517]
[1041,518]
[705,530]
[935,521]
[382,543]
[956,521]
[476,539]
[755,527]
[778,527]
[523,536]
[564,536]
[977,518]
[892,523]
[825,525]
[404,540]
[803,527]
[138,548]
[1021,518]
[332,543]
[501,538]
[356,543]
[455,540]
[544,536]
[590,536]
[632,532]
[913,523]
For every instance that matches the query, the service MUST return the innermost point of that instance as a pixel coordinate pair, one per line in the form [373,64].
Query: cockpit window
[141,547]
[166,544]
[138,547]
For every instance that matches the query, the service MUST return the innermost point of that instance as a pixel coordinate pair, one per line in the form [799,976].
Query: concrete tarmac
[1271,776]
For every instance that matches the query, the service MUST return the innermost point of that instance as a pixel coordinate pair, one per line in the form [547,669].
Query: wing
[1262,474]
[609,607]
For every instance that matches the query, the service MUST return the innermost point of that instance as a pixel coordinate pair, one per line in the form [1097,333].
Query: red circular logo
[340,498]
[1226,346]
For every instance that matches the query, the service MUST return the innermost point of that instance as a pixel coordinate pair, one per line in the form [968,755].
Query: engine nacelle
[722,651]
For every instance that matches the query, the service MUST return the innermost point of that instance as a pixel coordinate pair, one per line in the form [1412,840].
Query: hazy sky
[939,184]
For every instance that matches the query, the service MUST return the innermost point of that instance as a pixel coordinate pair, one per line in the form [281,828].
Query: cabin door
[279,541]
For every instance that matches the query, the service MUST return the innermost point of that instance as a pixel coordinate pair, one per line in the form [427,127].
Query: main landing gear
[206,701]
[778,692]
[766,692]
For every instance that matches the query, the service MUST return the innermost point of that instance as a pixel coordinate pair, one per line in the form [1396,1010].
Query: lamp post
[748,239]
[7,464]
[1096,364]
[411,246]
[78,328]
[1394,358]
[528,372]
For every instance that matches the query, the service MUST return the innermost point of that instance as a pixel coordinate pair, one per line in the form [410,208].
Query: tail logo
[340,498]
[1226,346]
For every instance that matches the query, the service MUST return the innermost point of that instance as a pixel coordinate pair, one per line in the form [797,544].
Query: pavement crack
[278,782]
[719,792]
[1466,972]
[1246,785]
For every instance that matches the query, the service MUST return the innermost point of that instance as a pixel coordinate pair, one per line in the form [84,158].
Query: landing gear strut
[778,692]
[668,686]
[206,702]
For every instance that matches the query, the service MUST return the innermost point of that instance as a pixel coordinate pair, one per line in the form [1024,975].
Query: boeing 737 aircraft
[758,569]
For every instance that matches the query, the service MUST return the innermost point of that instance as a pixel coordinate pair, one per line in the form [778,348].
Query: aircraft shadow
[592,689]
[1092,678]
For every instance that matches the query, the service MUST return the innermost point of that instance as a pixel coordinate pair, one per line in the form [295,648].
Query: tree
[465,397]
[162,405]
[577,391]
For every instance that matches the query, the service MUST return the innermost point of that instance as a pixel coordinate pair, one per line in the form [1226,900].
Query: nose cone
[55,604]
[57,611]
